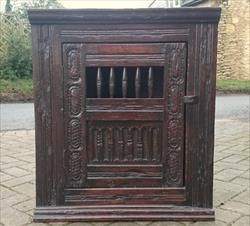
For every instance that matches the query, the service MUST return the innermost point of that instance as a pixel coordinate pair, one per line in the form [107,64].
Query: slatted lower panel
[123,141]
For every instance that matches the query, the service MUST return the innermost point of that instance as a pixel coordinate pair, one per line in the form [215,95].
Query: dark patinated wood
[124,108]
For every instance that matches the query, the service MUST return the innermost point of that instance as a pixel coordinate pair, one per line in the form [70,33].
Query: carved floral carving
[73,115]
[176,57]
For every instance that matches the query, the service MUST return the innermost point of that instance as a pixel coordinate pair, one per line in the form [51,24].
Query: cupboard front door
[124,123]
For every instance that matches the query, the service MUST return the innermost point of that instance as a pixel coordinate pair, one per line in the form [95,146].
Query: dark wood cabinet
[124,108]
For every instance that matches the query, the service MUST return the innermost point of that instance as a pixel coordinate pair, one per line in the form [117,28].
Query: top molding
[124,16]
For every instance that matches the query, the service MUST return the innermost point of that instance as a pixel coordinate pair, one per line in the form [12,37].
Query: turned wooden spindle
[124,83]
[111,83]
[99,83]
[137,82]
[150,82]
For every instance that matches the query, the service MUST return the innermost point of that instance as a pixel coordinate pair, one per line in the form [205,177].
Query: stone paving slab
[231,180]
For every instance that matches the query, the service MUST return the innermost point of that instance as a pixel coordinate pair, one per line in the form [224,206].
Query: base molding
[123,213]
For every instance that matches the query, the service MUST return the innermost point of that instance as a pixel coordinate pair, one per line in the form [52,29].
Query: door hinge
[190,99]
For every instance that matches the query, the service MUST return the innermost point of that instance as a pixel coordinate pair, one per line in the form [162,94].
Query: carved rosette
[73,114]
[176,66]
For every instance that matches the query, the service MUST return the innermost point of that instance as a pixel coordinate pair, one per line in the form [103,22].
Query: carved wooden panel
[74,100]
[175,91]
[113,142]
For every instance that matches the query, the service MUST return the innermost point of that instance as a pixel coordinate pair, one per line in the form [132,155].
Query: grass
[233,86]
[20,85]
[16,90]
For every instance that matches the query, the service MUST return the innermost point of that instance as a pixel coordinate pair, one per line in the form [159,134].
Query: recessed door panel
[124,117]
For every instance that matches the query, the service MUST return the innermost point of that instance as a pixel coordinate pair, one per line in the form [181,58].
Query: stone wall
[233,41]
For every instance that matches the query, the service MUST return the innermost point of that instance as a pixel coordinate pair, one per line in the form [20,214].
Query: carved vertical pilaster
[176,72]
[74,115]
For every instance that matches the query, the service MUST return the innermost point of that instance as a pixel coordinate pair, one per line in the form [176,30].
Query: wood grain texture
[146,16]
[124,110]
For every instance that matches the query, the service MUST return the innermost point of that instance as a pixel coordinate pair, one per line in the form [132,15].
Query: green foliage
[15,54]
[37,4]
[233,86]
[15,61]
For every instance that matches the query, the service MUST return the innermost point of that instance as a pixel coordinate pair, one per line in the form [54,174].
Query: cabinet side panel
[41,80]
[205,73]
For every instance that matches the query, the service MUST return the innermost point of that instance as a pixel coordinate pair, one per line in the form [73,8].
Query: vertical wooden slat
[95,146]
[139,145]
[106,144]
[116,144]
[124,83]
[137,82]
[155,143]
[121,143]
[99,83]
[146,154]
[111,83]
[99,144]
[150,82]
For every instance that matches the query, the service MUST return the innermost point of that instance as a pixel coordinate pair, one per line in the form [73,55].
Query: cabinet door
[124,123]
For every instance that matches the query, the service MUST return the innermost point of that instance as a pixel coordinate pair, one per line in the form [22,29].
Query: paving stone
[237,207]
[58,224]
[6,192]
[243,221]
[227,165]
[12,217]
[27,189]
[5,167]
[80,224]
[7,159]
[226,215]
[101,223]
[143,223]
[4,177]
[215,223]
[246,175]
[241,181]
[167,224]
[37,224]
[25,206]
[222,196]
[234,158]
[243,197]
[17,181]
[245,162]
[13,200]
[220,156]
[124,224]
[229,186]
[16,172]
[228,174]
[27,158]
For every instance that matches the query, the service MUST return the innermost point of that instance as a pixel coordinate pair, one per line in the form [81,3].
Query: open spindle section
[124,82]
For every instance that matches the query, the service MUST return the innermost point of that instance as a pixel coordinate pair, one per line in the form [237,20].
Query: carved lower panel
[123,142]
[176,66]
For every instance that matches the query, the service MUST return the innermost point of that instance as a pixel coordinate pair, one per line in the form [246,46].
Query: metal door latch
[190,99]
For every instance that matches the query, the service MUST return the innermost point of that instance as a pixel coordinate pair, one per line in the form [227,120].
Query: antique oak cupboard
[124,111]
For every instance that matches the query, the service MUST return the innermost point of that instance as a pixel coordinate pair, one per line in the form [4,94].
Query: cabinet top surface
[128,16]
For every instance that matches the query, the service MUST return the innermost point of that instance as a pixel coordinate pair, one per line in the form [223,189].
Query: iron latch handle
[190,99]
